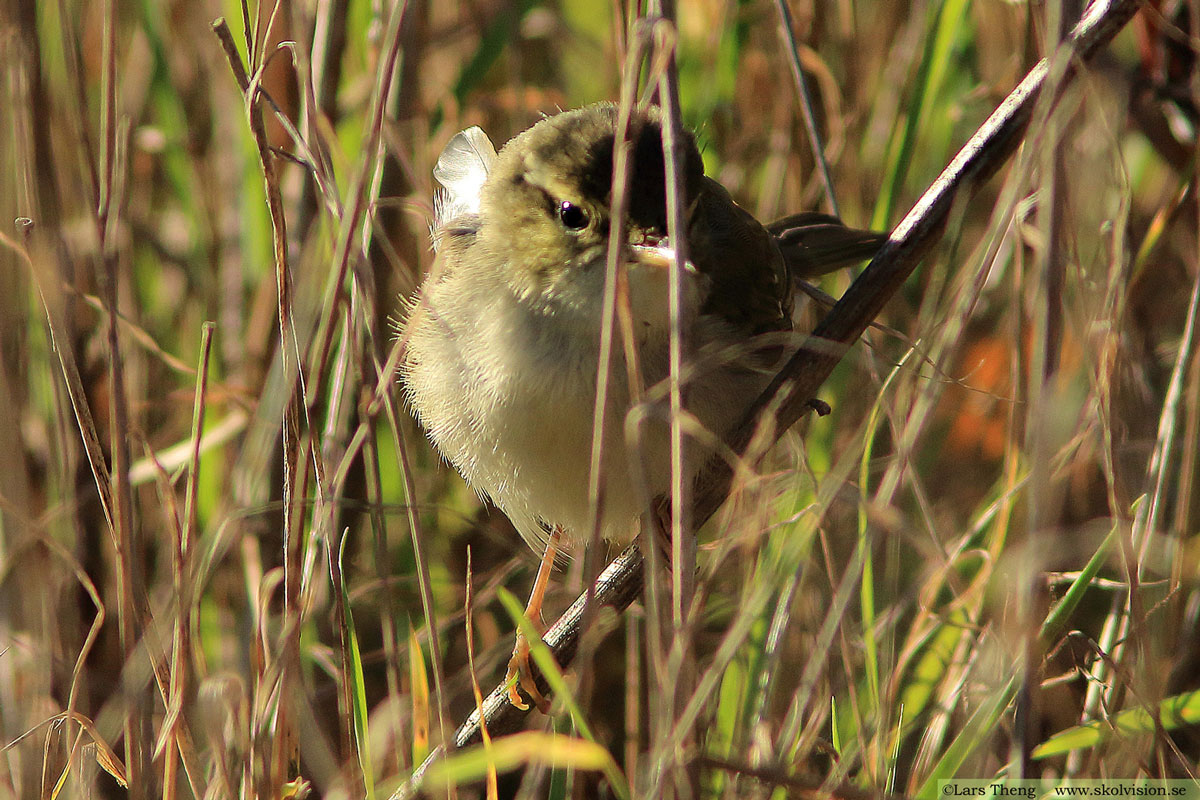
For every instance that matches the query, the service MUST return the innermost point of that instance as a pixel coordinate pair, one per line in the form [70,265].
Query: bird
[501,343]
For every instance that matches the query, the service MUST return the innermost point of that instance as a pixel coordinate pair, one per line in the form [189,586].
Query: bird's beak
[660,256]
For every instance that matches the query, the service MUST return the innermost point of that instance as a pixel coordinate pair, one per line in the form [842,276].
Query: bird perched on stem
[503,339]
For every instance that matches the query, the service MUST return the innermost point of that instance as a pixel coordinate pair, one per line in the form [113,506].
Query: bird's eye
[572,216]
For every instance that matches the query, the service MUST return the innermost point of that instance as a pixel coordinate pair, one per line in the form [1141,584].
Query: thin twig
[681,663]
[130,565]
[616,317]
[294,479]
[181,677]
[806,104]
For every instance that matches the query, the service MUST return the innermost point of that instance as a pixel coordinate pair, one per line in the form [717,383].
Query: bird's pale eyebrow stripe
[537,174]
[552,199]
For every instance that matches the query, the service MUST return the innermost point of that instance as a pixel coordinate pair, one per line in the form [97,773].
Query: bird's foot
[520,678]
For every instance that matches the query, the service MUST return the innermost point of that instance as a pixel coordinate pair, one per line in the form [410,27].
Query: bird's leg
[518,666]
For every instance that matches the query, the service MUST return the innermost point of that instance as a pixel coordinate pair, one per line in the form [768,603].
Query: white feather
[462,169]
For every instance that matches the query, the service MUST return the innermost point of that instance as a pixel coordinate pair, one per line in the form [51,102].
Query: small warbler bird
[503,340]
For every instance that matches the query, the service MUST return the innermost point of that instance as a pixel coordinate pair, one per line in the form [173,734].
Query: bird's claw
[520,675]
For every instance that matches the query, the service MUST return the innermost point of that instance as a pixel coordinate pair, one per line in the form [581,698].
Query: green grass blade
[1173,713]
[361,710]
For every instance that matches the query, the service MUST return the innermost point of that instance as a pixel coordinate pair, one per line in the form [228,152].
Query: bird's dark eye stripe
[572,216]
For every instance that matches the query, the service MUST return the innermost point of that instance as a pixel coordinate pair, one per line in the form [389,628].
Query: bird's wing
[462,169]
[814,244]
[751,285]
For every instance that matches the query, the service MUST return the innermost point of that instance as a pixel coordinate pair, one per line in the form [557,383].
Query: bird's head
[545,207]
